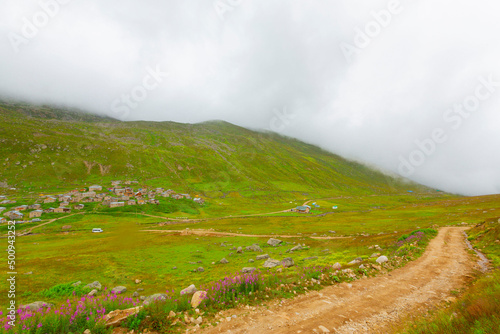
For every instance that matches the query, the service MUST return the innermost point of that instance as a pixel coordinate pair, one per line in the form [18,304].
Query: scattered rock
[270,263]
[94,285]
[116,317]
[254,248]
[135,294]
[362,266]
[66,227]
[171,314]
[143,298]
[118,289]
[247,270]
[274,242]
[296,248]
[287,262]
[140,289]
[76,283]
[138,281]
[92,293]
[189,290]
[310,258]
[174,267]
[356,260]
[200,269]
[224,261]
[157,296]
[262,257]
[198,320]
[375,255]
[337,266]
[382,259]
[35,306]
[251,260]
[28,273]
[239,250]
[198,298]
[87,331]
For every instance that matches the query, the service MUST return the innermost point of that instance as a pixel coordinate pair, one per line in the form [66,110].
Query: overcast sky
[410,86]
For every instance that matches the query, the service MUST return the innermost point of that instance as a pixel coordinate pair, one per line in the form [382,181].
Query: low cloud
[370,80]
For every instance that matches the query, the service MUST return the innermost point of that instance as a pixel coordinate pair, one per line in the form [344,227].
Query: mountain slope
[40,150]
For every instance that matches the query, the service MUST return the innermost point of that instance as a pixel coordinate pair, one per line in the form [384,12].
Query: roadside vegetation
[174,312]
[477,309]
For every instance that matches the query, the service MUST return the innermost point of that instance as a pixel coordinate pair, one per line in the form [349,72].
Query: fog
[410,86]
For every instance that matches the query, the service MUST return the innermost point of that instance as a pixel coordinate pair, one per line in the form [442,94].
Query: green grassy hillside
[43,147]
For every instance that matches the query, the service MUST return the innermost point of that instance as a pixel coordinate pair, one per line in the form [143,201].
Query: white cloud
[269,55]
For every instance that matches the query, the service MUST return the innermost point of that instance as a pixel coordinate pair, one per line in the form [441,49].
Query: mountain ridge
[212,156]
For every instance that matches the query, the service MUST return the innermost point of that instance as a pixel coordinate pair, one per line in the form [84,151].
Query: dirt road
[371,305]
[30,230]
[229,234]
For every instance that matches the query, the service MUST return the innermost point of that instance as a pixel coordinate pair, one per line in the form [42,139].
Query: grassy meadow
[126,251]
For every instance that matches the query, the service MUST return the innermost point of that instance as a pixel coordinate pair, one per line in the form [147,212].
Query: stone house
[115,183]
[34,207]
[36,214]
[49,210]
[95,187]
[119,191]
[14,215]
[64,198]
[116,204]
[79,207]
[154,201]
[90,194]
[2,220]
[187,196]
[131,202]
[62,210]
[141,202]
[2,209]
[49,199]
[302,209]
[21,208]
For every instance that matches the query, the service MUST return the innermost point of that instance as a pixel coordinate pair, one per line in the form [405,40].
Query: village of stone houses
[120,194]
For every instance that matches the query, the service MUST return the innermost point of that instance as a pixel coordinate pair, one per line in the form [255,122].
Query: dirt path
[229,234]
[50,221]
[371,305]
